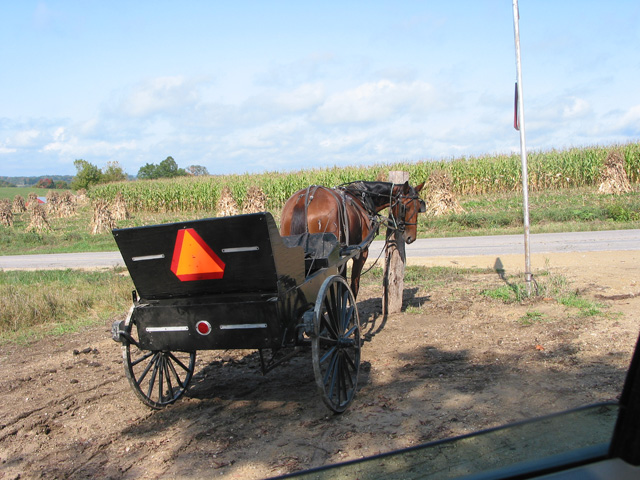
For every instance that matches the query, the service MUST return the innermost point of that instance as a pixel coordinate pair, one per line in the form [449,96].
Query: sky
[257,86]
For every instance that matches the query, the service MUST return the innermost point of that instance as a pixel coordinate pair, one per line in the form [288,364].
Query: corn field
[555,169]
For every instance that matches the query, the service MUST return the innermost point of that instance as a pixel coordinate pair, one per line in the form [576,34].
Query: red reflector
[203,327]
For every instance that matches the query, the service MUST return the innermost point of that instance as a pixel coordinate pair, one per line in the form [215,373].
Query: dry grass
[440,198]
[102,218]
[226,206]
[67,205]
[255,201]
[53,204]
[39,222]
[81,197]
[119,208]
[614,177]
[19,205]
[32,200]
[59,297]
[6,215]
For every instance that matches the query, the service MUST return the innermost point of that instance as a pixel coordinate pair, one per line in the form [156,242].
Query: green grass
[532,317]
[586,307]
[576,209]
[37,303]
[548,287]
[10,192]
[425,277]
[66,235]
[506,293]
[572,209]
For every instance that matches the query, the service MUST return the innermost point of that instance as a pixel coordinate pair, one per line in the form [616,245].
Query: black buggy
[235,283]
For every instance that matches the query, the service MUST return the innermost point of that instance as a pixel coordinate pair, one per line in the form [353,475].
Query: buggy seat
[320,249]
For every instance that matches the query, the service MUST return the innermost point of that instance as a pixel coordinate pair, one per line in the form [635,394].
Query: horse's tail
[298,219]
[300,212]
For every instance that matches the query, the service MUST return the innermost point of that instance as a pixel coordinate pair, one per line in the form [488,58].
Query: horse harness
[348,193]
[391,221]
[343,199]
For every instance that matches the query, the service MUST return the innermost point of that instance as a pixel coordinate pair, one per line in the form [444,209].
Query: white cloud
[338,142]
[302,98]
[67,144]
[631,119]
[6,150]
[24,138]
[160,95]
[279,134]
[575,108]
[377,101]
[59,135]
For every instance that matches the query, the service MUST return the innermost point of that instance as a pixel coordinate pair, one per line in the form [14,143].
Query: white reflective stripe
[240,249]
[148,257]
[243,326]
[167,329]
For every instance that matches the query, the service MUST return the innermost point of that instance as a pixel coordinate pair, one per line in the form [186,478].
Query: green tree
[148,172]
[45,183]
[113,173]
[86,175]
[197,170]
[168,168]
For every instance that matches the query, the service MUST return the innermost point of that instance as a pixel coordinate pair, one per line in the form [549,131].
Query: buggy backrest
[228,255]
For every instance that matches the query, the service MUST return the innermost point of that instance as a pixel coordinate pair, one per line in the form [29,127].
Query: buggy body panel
[257,301]
[254,256]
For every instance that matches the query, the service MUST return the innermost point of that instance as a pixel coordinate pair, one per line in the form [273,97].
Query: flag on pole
[516,122]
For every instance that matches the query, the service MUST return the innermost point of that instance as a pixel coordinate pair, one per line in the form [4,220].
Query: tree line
[88,174]
[52,181]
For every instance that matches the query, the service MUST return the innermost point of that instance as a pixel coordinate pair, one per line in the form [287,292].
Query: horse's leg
[356,270]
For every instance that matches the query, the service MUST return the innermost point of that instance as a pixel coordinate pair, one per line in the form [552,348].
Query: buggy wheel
[335,343]
[158,377]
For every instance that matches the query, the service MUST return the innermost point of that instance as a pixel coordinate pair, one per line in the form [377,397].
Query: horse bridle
[394,200]
[401,223]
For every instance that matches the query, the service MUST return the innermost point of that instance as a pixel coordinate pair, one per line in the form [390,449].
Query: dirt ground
[453,362]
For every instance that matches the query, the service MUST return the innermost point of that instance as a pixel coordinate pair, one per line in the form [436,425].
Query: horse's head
[406,208]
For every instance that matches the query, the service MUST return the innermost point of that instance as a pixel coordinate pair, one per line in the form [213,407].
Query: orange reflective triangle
[193,259]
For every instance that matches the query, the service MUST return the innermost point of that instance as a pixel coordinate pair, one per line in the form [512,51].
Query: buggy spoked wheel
[158,377]
[335,344]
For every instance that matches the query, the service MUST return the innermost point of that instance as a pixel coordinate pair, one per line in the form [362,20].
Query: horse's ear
[420,187]
[406,188]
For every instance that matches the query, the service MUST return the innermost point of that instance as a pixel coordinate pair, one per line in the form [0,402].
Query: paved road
[429,247]
[514,244]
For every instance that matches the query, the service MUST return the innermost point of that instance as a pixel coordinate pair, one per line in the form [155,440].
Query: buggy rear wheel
[335,343]
[158,377]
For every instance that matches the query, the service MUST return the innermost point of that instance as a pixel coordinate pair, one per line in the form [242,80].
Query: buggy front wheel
[158,377]
[335,343]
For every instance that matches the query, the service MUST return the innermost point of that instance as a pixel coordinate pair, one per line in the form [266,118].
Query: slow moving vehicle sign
[193,259]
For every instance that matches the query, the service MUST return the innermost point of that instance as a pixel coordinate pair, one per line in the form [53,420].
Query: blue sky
[253,86]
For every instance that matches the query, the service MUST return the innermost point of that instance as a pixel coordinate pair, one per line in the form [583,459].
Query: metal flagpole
[519,124]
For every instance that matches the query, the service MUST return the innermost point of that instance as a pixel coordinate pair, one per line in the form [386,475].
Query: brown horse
[349,211]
